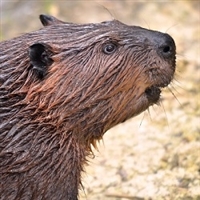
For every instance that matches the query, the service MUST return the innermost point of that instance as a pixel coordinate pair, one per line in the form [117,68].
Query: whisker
[180,56]
[148,110]
[172,26]
[162,106]
[178,75]
[174,88]
[147,24]
[174,96]
[112,14]
[177,85]
[142,119]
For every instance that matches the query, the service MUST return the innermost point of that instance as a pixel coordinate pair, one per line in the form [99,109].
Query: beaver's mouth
[153,94]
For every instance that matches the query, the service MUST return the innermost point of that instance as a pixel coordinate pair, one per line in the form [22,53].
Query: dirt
[155,156]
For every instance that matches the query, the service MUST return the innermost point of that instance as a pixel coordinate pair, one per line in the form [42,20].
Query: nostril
[165,45]
[166,49]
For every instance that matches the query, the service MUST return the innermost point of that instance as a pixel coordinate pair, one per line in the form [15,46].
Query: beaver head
[61,88]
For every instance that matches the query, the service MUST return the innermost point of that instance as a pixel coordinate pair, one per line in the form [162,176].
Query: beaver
[61,88]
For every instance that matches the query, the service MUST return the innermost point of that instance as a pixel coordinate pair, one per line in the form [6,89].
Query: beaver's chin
[153,94]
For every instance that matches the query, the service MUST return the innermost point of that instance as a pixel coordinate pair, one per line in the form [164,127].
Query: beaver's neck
[42,164]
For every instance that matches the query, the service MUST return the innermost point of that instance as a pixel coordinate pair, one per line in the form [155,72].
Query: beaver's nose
[166,45]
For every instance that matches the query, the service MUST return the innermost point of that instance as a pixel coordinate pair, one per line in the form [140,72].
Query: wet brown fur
[49,122]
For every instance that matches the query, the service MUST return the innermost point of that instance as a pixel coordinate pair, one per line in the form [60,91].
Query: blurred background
[155,156]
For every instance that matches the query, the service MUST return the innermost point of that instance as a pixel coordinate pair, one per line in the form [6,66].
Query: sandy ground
[155,156]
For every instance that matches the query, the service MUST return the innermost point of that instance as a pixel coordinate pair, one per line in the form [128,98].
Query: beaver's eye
[109,48]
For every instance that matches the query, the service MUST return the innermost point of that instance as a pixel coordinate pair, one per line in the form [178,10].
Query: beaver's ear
[48,20]
[40,58]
